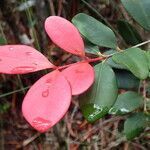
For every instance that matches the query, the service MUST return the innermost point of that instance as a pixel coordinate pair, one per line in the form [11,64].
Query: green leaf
[91,48]
[135,60]
[95,31]
[139,10]
[126,102]
[110,61]
[129,33]
[96,102]
[126,80]
[135,124]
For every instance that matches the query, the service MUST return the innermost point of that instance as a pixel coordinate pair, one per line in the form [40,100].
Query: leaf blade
[126,102]
[135,60]
[96,102]
[64,34]
[143,15]
[94,31]
[21,59]
[135,124]
[43,107]
[80,76]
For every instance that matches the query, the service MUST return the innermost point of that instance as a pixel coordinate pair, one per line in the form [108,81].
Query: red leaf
[21,59]
[80,77]
[64,34]
[47,101]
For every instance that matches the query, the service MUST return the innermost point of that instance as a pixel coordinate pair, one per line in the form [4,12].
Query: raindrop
[41,124]
[45,93]
[23,69]
[113,111]
[124,110]
[96,112]
[11,48]
[29,53]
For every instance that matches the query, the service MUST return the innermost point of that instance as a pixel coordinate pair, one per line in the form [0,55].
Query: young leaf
[139,10]
[96,102]
[126,103]
[47,101]
[135,60]
[80,77]
[128,32]
[64,34]
[21,59]
[135,124]
[95,31]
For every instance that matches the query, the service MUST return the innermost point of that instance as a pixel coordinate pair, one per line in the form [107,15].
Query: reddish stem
[86,60]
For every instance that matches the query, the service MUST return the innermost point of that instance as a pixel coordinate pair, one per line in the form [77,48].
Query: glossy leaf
[126,102]
[21,59]
[135,60]
[64,34]
[126,80]
[80,77]
[110,61]
[96,102]
[135,124]
[139,10]
[95,31]
[128,32]
[47,101]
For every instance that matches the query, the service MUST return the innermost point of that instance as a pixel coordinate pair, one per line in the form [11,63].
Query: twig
[60,3]
[95,128]
[52,8]
[29,140]
[16,91]
[140,44]
[115,143]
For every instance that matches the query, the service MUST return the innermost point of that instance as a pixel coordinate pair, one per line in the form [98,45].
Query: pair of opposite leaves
[49,98]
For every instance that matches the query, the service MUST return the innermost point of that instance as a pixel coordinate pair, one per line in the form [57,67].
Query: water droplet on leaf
[93,112]
[45,93]
[29,53]
[41,124]
[11,48]
[124,110]
[22,69]
[113,111]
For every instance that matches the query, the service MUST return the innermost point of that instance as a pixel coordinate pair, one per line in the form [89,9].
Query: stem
[89,60]
[140,44]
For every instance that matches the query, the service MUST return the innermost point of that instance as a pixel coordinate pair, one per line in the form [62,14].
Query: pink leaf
[21,59]
[47,101]
[64,34]
[80,77]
